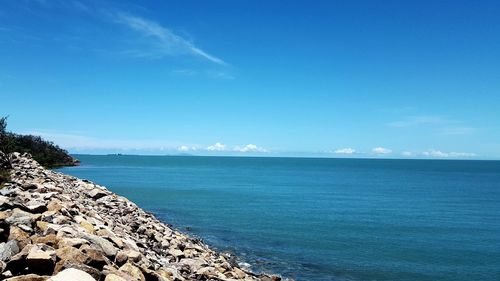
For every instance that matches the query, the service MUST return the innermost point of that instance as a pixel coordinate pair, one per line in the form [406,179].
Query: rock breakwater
[59,228]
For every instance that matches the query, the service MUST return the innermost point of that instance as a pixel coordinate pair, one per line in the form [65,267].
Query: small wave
[244,265]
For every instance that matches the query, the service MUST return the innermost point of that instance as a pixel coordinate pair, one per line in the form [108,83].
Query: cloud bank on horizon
[77,143]
[346,151]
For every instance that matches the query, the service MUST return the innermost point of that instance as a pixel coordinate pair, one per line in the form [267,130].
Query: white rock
[72,274]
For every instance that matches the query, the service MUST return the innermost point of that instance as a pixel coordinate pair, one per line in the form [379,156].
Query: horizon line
[284,156]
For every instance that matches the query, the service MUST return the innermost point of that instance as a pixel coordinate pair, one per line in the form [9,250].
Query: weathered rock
[111,236]
[63,230]
[72,254]
[130,244]
[29,277]
[17,263]
[87,226]
[72,274]
[239,273]
[6,274]
[133,271]
[207,271]
[114,277]
[265,277]
[35,206]
[4,215]
[50,239]
[7,250]
[177,253]
[54,206]
[96,193]
[41,259]
[21,236]
[101,243]
[19,216]
[25,228]
[121,258]
[7,191]
[31,186]
[132,255]
[194,264]
[65,264]
[71,242]
[170,273]
[96,258]
[151,275]
[5,203]
[49,195]
[42,225]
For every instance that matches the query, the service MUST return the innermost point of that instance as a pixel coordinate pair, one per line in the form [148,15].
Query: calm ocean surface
[324,219]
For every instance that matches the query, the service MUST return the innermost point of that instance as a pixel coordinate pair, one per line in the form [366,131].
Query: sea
[323,219]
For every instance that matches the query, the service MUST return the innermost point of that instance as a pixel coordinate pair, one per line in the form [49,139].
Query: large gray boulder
[35,206]
[7,250]
[19,216]
[102,244]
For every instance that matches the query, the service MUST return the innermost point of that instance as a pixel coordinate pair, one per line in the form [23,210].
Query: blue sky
[399,79]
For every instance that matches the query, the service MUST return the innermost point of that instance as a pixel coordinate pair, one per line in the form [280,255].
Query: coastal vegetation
[4,176]
[44,152]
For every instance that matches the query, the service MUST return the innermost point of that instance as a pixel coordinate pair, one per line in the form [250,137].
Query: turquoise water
[324,219]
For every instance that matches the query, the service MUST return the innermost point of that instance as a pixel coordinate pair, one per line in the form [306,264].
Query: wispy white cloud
[217,147]
[250,148]
[441,125]
[220,147]
[408,154]
[462,154]
[417,120]
[441,154]
[346,150]
[381,150]
[435,153]
[453,131]
[184,72]
[78,141]
[166,40]
[185,148]
[220,75]
[223,75]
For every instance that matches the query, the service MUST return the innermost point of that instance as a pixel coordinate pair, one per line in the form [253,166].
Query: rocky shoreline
[60,228]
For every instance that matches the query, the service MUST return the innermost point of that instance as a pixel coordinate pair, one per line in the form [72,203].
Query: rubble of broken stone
[60,228]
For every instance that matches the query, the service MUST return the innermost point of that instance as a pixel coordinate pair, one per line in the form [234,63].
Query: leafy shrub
[4,176]
[44,152]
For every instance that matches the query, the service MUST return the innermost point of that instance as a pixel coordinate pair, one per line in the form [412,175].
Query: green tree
[4,159]
[5,140]
[44,152]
